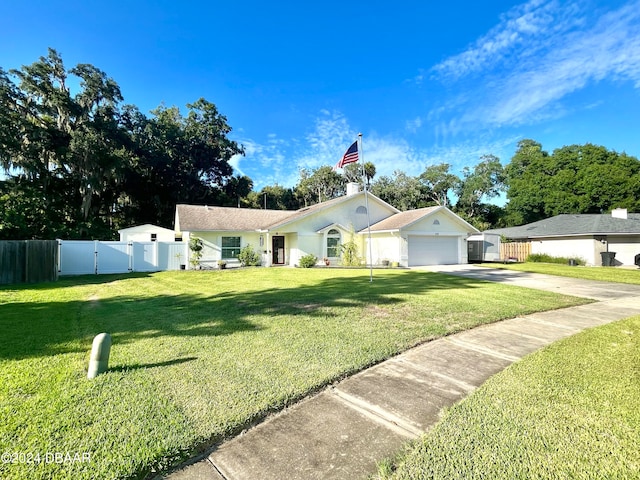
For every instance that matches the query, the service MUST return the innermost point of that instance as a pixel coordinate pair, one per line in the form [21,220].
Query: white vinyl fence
[79,257]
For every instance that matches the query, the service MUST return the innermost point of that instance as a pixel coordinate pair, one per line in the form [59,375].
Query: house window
[436,222]
[230,247]
[361,210]
[333,243]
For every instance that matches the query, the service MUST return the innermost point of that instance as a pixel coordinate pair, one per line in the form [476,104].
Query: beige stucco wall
[306,244]
[626,249]
[344,214]
[308,235]
[385,247]
[311,232]
[587,248]
[316,244]
[212,243]
[447,226]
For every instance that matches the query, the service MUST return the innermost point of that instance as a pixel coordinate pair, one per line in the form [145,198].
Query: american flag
[350,156]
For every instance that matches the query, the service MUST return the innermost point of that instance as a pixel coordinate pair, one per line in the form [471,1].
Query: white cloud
[414,125]
[523,24]
[608,51]
[268,157]
[535,57]
[278,161]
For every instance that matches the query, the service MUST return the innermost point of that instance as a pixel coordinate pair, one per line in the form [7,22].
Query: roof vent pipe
[352,188]
[619,213]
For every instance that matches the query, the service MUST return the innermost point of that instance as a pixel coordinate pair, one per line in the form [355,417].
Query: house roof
[144,228]
[406,219]
[567,225]
[402,219]
[303,212]
[203,218]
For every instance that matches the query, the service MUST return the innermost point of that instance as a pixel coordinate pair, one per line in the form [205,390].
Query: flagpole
[366,203]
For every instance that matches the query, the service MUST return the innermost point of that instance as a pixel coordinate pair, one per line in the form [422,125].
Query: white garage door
[432,250]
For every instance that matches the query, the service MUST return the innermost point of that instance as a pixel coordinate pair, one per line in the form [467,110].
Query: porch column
[267,247]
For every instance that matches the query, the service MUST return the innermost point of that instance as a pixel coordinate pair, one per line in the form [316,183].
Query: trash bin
[607,258]
[636,259]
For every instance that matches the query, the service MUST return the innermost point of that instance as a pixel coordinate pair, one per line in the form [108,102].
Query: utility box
[483,247]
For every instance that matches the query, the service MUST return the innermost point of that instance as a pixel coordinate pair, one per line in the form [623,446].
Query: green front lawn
[197,356]
[602,274]
[567,411]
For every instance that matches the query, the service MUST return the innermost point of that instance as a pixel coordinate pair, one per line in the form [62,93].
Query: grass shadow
[32,329]
[138,366]
[67,281]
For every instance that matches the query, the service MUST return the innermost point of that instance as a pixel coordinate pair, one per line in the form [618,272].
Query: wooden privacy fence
[28,261]
[515,251]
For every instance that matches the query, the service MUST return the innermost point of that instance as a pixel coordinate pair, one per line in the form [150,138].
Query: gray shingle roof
[402,219]
[571,225]
[203,218]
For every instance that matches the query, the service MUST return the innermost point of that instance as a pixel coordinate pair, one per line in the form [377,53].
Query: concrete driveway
[568,286]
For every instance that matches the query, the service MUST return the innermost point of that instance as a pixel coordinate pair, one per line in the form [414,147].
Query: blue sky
[425,82]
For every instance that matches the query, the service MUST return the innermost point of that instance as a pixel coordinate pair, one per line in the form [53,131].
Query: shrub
[350,256]
[308,261]
[545,258]
[248,257]
[196,246]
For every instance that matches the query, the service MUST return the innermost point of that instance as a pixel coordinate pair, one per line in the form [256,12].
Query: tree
[273,197]
[319,185]
[75,141]
[178,160]
[574,179]
[484,182]
[402,191]
[86,166]
[439,182]
[524,193]
[238,187]
[369,172]
[353,173]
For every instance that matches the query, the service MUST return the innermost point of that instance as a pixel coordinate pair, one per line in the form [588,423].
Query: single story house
[584,236]
[426,236]
[147,233]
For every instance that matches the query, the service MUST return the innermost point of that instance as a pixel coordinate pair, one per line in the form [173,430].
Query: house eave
[585,234]
[365,231]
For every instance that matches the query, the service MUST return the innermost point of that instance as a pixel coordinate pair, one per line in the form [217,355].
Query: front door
[277,249]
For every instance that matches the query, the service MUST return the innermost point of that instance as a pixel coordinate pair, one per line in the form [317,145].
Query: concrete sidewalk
[343,431]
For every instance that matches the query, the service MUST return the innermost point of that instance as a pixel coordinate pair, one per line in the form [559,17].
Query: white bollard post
[99,361]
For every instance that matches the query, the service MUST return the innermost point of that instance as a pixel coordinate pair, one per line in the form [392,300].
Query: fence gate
[145,256]
[79,257]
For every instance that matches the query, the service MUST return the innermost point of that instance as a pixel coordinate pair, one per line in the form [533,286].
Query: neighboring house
[585,236]
[147,233]
[427,236]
